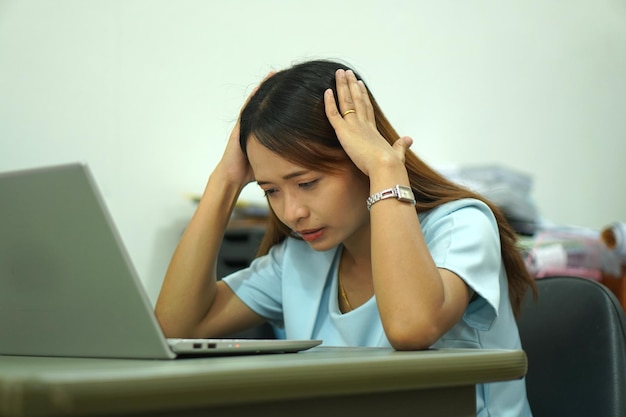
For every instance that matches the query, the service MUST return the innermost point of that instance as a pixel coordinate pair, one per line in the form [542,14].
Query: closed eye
[308,184]
[269,192]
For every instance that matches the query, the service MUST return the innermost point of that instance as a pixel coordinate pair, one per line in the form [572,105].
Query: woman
[366,245]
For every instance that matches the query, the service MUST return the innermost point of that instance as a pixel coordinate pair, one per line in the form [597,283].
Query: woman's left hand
[355,126]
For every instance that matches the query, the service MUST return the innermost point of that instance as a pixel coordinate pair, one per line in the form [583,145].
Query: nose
[294,210]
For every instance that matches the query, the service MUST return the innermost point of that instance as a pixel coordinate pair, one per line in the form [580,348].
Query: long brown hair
[287,116]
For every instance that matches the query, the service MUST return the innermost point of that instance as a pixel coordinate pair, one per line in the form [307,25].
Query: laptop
[67,285]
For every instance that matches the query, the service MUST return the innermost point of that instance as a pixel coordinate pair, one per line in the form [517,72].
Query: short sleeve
[260,285]
[463,237]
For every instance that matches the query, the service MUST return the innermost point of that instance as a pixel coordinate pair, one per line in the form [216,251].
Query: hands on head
[353,121]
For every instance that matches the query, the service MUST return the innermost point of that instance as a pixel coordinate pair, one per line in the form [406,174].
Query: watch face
[405,194]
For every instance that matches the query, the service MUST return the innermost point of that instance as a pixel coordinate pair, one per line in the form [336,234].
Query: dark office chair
[238,249]
[575,338]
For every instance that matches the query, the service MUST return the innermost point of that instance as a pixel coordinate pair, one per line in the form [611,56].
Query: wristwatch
[400,192]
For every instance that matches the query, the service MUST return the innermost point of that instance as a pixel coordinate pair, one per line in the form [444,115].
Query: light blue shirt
[295,288]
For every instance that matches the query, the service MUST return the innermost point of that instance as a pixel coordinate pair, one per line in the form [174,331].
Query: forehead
[267,164]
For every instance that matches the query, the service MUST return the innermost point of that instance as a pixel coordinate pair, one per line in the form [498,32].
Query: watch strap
[400,192]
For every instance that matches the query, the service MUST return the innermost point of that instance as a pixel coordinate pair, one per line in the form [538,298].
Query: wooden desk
[322,381]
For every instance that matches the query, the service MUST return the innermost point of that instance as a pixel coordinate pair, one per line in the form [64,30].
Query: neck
[358,247]
[355,280]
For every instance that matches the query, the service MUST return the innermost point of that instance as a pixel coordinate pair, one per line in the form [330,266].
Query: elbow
[403,336]
[167,329]
[169,326]
[174,326]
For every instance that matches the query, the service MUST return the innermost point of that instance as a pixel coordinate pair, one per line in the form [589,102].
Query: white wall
[146,92]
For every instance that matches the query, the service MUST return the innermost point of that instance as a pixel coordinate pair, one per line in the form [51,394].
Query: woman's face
[324,209]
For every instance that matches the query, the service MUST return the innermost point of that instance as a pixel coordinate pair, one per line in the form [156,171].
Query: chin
[322,246]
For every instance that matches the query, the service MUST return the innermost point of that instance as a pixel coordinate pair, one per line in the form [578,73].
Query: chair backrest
[238,249]
[574,336]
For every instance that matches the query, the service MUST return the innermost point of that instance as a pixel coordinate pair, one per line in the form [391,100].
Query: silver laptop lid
[67,287]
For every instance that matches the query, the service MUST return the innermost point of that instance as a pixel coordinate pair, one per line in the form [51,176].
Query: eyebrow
[287,177]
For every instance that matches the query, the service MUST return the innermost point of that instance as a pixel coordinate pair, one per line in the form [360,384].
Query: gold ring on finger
[345,113]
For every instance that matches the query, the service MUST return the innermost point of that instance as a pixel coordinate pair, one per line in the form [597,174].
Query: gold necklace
[344,296]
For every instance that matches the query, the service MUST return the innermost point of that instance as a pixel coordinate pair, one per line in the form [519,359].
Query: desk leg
[433,402]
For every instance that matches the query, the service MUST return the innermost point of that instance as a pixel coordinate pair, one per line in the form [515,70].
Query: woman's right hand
[191,302]
[234,163]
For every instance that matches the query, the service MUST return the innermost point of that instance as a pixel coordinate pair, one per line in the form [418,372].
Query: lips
[311,234]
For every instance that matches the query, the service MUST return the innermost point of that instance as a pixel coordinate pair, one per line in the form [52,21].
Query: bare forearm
[189,286]
[410,292]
